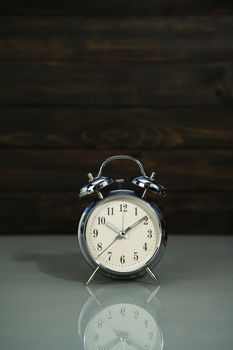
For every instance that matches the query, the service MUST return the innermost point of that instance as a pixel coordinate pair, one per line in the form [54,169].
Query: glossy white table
[44,303]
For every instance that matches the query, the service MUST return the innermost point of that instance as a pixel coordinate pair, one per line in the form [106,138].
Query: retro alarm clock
[122,234]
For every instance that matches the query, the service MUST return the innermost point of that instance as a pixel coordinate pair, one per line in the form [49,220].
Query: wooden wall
[83,80]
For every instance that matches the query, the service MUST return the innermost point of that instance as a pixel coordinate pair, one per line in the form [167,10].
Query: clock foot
[92,275]
[152,275]
[151,296]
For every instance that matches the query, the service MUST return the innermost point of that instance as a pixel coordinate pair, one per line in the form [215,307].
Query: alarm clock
[117,316]
[121,233]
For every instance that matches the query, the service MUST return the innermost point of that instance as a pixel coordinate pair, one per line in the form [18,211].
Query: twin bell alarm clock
[121,232]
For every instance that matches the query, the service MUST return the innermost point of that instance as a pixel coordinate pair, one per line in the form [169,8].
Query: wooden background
[83,80]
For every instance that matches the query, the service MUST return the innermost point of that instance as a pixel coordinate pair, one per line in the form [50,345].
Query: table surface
[44,303]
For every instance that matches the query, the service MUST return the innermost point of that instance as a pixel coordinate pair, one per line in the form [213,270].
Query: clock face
[122,233]
[123,326]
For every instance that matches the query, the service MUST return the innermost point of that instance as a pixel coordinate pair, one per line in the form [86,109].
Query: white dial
[123,326]
[123,233]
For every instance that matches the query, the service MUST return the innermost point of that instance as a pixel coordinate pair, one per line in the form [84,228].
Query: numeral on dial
[151,335]
[110,211]
[101,220]
[122,259]
[95,233]
[109,255]
[95,337]
[100,323]
[99,246]
[149,235]
[123,208]
[136,211]
[145,246]
[146,220]
[135,256]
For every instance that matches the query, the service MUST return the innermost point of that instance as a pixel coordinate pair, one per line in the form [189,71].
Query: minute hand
[135,224]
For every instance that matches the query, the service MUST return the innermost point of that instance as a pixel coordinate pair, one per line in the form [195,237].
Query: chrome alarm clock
[122,233]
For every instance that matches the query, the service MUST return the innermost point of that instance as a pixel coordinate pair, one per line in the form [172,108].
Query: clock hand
[135,224]
[112,343]
[122,336]
[115,239]
[136,346]
[122,221]
[118,333]
[112,227]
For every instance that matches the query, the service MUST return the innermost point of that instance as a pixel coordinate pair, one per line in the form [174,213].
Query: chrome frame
[121,156]
[102,269]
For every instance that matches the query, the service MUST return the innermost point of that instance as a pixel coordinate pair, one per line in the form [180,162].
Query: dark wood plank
[117,7]
[56,170]
[198,213]
[187,213]
[168,39]
[116,84]
[115,128]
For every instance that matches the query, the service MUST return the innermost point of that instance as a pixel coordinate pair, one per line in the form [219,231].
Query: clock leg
[92,294]
[151,296]
[152,275]
[92,275]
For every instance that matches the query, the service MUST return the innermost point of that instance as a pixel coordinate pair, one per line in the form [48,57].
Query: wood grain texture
[115,128]
[81,81]
[117,7]
[40,212]
[158,39]
[116,84]
[55,170]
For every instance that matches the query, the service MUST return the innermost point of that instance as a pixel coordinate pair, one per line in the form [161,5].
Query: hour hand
[112,343]
[112,227]
[134,345]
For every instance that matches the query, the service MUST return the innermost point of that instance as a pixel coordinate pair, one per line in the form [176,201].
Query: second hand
[118,237]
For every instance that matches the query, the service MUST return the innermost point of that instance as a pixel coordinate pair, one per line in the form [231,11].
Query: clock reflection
[121,317]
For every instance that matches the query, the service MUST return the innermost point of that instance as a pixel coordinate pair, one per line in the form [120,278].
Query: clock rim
[103,269]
